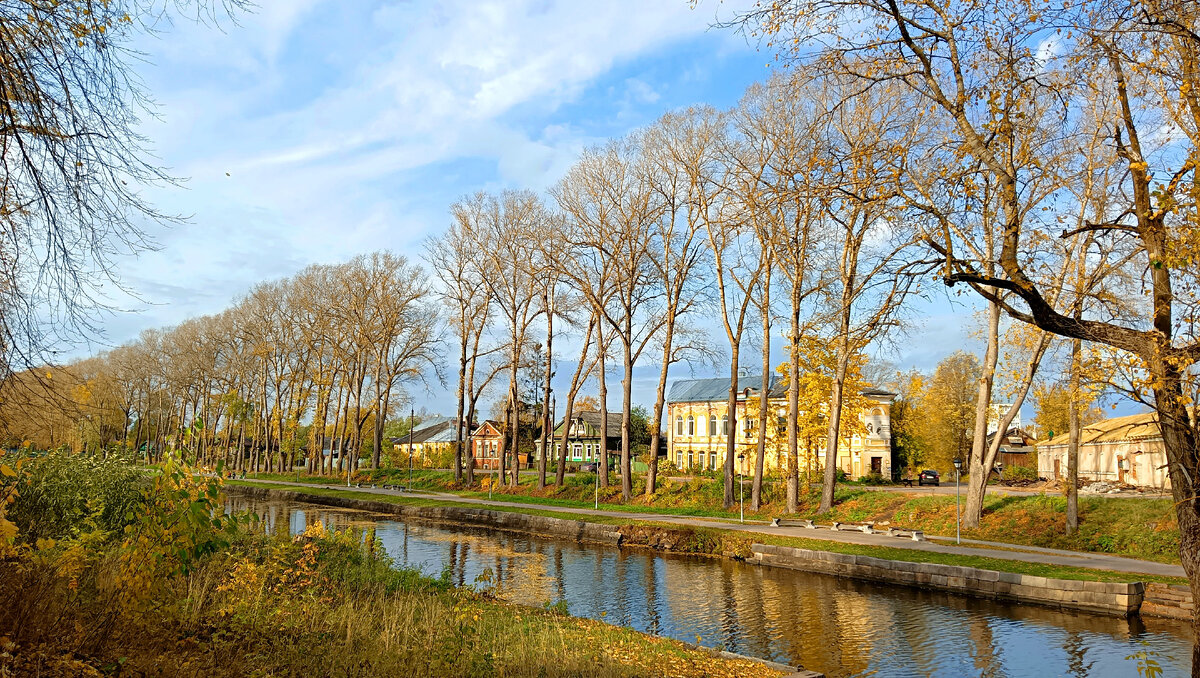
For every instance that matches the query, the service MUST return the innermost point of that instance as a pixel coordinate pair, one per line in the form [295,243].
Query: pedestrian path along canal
[836,626]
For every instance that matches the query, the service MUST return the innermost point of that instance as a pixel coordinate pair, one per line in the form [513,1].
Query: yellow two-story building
[698,428]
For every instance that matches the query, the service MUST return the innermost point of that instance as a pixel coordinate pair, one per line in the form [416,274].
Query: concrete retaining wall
[1098,597]
[558,528]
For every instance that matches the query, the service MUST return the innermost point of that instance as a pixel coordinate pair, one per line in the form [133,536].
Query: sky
[310,131]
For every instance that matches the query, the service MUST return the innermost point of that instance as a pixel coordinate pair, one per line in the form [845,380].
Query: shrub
[62,495]
[875,479]
[1016,472]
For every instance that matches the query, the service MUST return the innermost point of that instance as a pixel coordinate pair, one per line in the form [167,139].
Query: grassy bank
[719,542]
[107,571]
[318,605]
[1132,527]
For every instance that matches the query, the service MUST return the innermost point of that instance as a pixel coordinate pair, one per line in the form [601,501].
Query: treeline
[814,210]
[311,362]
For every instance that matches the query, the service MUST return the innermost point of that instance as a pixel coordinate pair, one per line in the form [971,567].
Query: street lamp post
[597,464]
[411,420]
[741,488]
[957,518]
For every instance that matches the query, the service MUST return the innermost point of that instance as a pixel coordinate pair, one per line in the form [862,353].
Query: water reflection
[836,626]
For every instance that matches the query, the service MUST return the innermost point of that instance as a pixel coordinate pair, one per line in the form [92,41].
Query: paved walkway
[1030,554]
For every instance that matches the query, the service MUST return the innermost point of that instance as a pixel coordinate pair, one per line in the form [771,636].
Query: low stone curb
[1109,598]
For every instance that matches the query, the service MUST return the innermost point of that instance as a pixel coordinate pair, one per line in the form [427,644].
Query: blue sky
[311,131]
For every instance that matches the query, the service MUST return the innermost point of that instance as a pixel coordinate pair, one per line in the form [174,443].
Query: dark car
[590,467]
[929,476]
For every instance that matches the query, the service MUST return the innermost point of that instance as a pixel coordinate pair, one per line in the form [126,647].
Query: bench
[789,522]
[865,528]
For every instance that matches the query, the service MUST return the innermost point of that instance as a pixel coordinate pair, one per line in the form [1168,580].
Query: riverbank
[1140,528]
[105,570]
[1094,590]
[315,605]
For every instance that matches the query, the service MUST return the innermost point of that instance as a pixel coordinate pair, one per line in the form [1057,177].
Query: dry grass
[318,605]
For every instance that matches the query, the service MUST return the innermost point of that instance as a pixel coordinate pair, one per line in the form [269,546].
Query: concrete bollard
[918,535]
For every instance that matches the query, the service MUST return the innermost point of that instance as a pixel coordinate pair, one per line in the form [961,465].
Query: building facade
[487,444]
[1122,449]
[698,429]
[430,438]
[583,437]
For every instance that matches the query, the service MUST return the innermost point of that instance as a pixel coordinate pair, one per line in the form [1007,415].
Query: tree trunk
[833,436]
[1073,431]
[660,398]
[470,445]
[460,405]
[1183,456]
[626,412]
[560,476]
[977,474]
[602,386]
[546,413]
[731,434]
[763,407]
[793,470]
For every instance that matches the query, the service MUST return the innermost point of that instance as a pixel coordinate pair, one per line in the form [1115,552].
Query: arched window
[712,426]
[678,425]
[691,429]
[690,458]
[725,425]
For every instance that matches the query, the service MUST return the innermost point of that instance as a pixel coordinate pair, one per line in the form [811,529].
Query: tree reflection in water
[836,626]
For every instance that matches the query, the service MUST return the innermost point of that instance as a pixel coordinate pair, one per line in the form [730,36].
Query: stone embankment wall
[558,528]
[1162,600]
[1098,597]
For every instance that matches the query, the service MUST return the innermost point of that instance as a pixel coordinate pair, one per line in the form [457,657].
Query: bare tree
[683,164]
[610,205]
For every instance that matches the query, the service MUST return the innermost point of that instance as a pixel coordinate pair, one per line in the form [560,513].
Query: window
[690,459]
[691,429]
[576,451]
[781,423]
[712,426]
[725,425]
[678,425]
[679,459]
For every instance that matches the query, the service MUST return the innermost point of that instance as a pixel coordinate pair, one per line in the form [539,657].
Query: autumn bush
[174,587]
[61,494]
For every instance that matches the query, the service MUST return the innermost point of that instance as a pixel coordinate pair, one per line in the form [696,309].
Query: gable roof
[482,430]
[1142,426]
[440,430]
[593,419]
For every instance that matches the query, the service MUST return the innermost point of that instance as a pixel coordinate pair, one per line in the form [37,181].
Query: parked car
[590,467]
[929,476]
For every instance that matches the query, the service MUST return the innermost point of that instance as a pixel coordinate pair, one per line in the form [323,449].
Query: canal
[836,626]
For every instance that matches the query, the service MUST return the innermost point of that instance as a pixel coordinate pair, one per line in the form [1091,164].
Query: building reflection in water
[836,626]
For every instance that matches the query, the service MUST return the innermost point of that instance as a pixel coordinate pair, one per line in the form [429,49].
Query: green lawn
[1136,528]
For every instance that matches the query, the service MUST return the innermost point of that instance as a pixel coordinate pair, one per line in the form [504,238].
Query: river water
[836,626]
